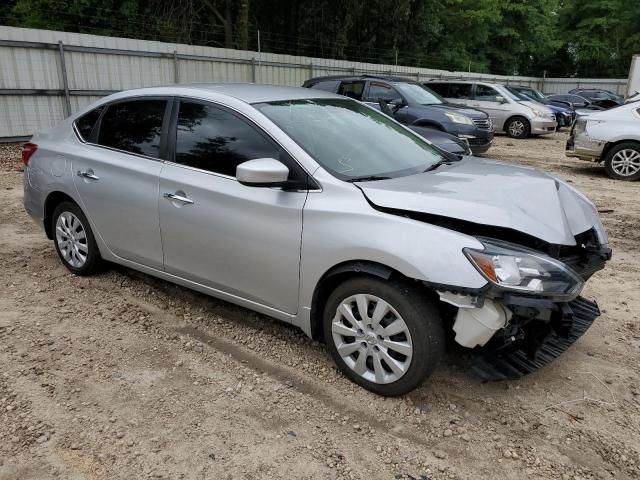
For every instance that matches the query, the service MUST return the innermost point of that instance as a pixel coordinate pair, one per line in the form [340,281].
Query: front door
[116,175]
[244,241]
[377,91]
[490,101]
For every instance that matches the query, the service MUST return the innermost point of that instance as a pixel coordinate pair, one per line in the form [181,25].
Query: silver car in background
[611,137]
[320,211]
[510,111]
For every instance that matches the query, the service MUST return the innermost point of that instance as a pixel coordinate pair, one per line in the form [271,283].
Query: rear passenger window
[85,123]
[327,85]
[460,90]
[215,140]
[351,89]
[134,126]
[439,88]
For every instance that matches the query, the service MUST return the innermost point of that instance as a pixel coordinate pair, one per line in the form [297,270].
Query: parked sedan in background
[611,137]
[604,98]
[565,114]
[509,112]
[413,104]
[578,102]
[326,214]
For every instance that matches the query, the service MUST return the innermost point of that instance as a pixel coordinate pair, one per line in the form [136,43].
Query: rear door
[116,175]
[243,241]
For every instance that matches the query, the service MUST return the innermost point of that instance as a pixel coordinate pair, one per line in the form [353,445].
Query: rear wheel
[74,240]
[518,127]
[385,336]
[622,162]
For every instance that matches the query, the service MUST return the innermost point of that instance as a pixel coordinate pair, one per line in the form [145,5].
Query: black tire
[93,261]
[518,127]
[418,313]
[611,154]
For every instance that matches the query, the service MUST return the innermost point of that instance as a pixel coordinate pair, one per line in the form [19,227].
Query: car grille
[483,123]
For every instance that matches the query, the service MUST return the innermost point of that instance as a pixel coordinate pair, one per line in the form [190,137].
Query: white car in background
[612,137]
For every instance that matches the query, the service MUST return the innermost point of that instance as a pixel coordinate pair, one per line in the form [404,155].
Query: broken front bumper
[515,355]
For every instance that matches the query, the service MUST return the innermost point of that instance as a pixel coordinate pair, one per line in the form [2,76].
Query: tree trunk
[243,25]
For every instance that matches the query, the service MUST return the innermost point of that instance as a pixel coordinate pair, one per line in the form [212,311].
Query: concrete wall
[34,93]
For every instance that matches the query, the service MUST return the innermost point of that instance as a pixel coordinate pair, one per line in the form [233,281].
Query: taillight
[28,149]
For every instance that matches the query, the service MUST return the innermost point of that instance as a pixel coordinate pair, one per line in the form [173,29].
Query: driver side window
[485,93]
[216,140]
[379,91]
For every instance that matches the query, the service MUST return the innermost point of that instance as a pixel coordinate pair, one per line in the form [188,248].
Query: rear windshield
[351,140]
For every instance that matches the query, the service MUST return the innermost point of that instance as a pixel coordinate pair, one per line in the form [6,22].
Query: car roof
[245,92]
[388,78]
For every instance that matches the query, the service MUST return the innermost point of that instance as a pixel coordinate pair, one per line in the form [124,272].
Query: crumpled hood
[487,192]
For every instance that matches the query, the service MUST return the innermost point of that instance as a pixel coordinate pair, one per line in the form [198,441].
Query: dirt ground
[124,376]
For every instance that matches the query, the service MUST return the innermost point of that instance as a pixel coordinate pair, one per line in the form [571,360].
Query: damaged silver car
[322,212]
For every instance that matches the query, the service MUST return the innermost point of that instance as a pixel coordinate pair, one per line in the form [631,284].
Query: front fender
[341,226]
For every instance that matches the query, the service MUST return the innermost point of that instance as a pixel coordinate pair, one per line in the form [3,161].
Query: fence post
[253,69]
[65,81]
[176,69]
[311,70]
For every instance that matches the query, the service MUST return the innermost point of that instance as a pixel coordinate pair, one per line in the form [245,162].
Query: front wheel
[518,127]
[383,335]
[622,162]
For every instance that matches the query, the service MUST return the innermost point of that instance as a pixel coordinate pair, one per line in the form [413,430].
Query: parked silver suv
[321,211]
[510,111]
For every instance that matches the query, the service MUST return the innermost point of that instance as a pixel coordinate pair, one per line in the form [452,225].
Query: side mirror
[262,172]
[500,99]
[398,103]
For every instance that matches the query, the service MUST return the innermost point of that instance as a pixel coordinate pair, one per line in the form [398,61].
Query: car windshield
[533,93]
[350,140]
[517,95]
[419,93]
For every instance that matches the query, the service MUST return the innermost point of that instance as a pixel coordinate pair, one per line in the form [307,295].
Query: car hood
[469,112]
[536,106]
[492,193]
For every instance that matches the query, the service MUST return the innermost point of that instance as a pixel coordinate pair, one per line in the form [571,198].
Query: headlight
[537,113]
[458,118]
[512,267]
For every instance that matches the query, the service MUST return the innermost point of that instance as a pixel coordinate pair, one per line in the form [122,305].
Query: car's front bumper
[565,119]
[478,137]
[535,329]
[524,347]
[542,126]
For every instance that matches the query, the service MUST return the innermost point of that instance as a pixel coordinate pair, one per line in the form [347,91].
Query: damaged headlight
[517,268]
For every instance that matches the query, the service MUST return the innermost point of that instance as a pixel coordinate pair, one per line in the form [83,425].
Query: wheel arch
[428,124]
[337,275]
[53,200]
[609,145]
[515,115]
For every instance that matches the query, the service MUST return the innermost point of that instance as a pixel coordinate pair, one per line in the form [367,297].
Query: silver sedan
[322,212]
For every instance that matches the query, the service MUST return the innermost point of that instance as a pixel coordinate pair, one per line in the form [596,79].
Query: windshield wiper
[367,178]
[444,161]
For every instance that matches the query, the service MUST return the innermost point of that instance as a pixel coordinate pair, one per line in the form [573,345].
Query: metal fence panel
[32,78]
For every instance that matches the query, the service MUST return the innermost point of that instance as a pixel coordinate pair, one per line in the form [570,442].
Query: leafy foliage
[594,38]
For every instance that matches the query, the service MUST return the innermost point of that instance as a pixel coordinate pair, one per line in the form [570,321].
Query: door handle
[178,198]
[88,174]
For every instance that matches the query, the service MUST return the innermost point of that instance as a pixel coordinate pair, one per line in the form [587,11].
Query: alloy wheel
[626,162]
[372,338]
[516,128]
[71,238]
